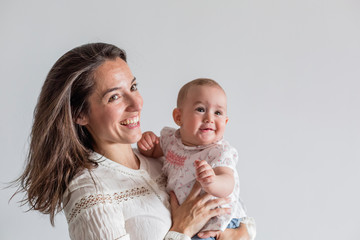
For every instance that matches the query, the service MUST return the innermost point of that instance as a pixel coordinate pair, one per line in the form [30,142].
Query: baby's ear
[177,116]
[82,120]
[227,120]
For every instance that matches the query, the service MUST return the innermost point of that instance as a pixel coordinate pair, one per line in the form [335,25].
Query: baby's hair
[196,82]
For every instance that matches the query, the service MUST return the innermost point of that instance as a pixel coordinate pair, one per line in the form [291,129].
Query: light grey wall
[290,69]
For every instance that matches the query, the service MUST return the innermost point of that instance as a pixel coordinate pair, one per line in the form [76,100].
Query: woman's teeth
[130,121]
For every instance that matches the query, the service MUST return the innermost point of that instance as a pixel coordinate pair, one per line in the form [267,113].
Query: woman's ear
[82,120]
[177,116]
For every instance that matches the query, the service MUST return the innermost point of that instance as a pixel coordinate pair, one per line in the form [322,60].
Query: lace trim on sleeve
[96,199]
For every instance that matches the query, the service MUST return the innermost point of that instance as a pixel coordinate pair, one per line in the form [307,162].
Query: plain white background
[290,69]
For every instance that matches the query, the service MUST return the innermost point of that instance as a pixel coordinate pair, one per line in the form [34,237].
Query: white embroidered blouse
[115,202]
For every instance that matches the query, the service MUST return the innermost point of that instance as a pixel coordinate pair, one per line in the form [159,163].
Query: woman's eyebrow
[116,88]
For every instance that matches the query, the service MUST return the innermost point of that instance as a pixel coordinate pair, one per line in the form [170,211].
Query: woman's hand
[239,233]
[195,211]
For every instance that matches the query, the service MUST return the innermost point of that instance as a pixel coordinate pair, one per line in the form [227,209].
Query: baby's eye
[134,87]
[218,113]
[113,98]
[200,109]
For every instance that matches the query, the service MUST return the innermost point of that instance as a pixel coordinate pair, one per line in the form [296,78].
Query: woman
[81,160]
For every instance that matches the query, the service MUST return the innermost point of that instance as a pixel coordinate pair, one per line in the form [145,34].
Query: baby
[197,151]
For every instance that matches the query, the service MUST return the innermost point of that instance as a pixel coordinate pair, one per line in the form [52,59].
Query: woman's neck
[120,153]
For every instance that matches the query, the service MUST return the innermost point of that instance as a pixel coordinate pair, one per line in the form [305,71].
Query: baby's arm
[149,145]
[218,182]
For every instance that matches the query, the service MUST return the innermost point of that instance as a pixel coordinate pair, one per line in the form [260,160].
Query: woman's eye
[113,98]
[134,87]
[218,113]
[200,109]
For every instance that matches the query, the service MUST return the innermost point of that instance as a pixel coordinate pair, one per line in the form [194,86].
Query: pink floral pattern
[173,158]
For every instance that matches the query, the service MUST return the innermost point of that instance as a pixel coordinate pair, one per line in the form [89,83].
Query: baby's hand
[205,175]
[148,141]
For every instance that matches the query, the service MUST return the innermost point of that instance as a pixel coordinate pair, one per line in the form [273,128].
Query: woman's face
[115,105]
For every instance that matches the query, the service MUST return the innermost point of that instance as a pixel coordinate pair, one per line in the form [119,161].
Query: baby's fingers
[148,141]
[141,145]
[151,137]
[205,173]
[206,181]
[154,139]
[144,145]
[202,166]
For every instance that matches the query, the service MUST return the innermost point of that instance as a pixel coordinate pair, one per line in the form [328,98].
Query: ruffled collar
[200,147]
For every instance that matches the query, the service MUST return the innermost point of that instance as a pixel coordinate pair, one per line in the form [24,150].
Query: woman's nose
[135,103]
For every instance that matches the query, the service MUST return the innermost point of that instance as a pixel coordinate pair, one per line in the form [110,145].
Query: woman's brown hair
[59,148]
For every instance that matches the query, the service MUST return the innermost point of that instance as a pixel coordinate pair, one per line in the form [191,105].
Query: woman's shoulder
[85,179]
[84,193]
[83,184]
[89,181]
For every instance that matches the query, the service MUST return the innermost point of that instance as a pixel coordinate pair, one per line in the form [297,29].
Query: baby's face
[203,116]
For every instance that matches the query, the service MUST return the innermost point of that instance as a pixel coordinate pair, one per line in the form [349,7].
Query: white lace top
[115,202]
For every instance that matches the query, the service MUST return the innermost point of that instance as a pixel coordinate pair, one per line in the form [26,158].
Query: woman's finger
[208,234]
[195,211]
[217,202]
[173,202]
[204,198]
[195,191]
[219,211]
[236,233]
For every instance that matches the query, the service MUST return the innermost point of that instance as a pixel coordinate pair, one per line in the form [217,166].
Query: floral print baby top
[179,168]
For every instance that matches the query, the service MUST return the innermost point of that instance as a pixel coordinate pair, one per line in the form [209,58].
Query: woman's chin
[136,137]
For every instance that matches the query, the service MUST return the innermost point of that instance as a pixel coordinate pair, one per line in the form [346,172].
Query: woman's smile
[131,122]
